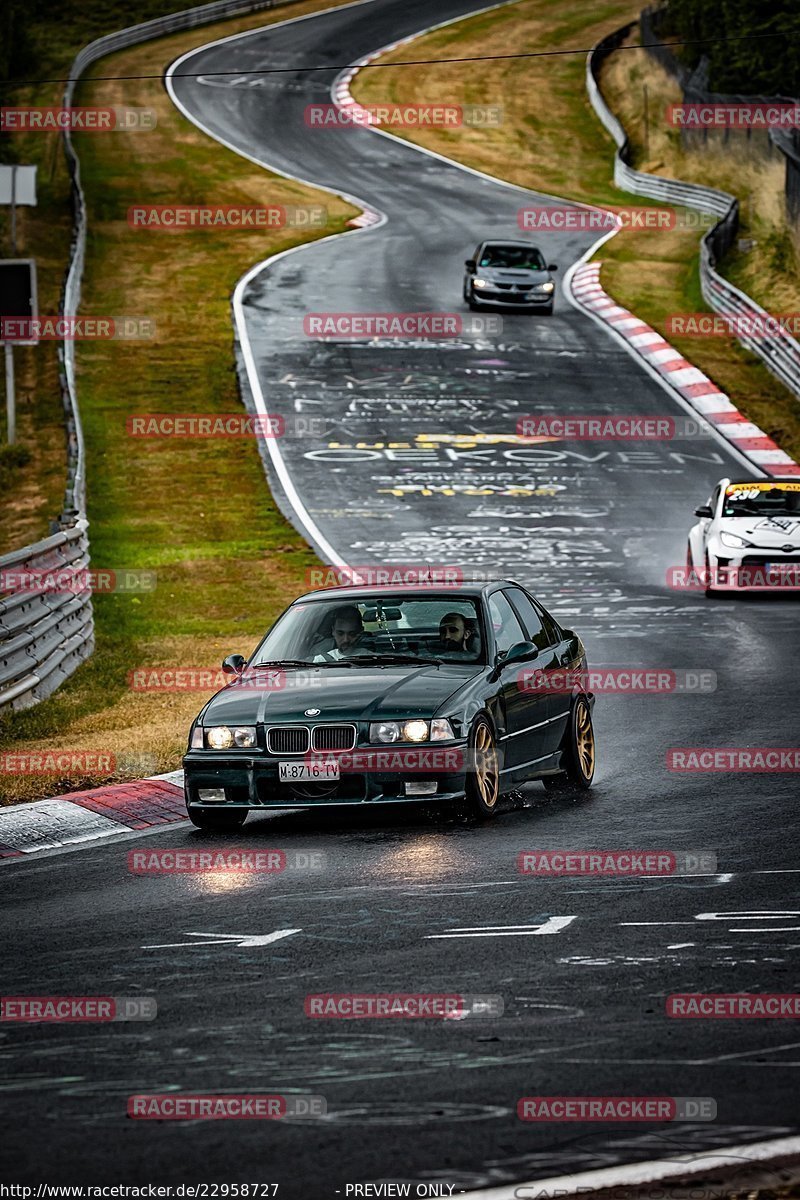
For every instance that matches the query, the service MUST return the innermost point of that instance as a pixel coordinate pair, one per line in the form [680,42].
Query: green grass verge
[196,512]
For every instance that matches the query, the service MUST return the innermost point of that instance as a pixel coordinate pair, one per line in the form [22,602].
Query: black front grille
[333,737]
[349,787]
[287,739]
[776,556]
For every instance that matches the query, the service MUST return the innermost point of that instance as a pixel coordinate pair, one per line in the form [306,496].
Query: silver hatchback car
[511,275]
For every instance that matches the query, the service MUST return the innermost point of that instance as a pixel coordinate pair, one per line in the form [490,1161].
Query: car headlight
[414,730]
[196,742]
[479,283]
[544,287]
[734,541]
[220,737]
[384,731]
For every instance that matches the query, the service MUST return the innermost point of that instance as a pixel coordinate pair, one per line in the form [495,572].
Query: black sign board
[17,300]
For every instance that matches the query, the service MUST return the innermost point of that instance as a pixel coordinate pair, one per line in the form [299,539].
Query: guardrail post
[11,410]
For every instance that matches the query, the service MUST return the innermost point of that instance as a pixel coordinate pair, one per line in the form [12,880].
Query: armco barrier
[44,635]
[44,638]
[781,353]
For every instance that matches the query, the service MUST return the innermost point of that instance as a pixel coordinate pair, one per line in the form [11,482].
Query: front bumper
[251,781]
[756,570]
[512,299]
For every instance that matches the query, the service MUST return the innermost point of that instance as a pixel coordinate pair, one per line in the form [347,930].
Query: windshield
[380,628]
[767,499]
[525,258]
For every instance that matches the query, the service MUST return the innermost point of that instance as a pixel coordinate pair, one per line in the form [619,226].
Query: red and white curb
[688,381]
[87,816]
[343,99]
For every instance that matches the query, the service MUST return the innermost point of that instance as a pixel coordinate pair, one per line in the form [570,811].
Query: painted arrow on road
[549,925]
[228,939]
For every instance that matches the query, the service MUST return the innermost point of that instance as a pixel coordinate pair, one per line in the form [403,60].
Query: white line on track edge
[641,1172]
[636,1174]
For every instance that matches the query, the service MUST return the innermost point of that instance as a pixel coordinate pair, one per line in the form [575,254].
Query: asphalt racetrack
[415,901]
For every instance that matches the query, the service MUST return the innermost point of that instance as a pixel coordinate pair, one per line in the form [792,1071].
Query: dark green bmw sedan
[375,696]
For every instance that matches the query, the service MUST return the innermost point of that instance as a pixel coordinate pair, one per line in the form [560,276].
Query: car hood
[340,693]
[766,532]
[512,275]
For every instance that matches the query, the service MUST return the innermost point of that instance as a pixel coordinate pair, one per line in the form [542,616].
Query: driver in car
[347,628]
[456,636]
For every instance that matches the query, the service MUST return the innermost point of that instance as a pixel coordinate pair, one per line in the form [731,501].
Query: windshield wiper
[279,662]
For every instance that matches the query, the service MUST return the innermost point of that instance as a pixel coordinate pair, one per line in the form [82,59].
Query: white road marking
[551,925]
[228,939]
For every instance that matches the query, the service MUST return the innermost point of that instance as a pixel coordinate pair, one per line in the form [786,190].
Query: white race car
[748,536]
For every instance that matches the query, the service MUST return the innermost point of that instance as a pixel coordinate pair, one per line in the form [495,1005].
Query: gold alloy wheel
[584,739]
[486,769]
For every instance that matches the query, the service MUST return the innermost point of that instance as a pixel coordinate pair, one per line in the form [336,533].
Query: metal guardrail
[780,352]
[45,633]
[44,636]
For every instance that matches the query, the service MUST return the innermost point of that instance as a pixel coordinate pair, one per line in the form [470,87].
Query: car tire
[216,819]
[709,591]
[483,771]
[547,312]
[579,752]
[472,304]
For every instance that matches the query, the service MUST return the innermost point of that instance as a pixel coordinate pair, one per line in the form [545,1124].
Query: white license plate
[298,772]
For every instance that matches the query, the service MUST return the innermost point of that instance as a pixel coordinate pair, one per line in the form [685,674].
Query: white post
[13,212]
[10,407]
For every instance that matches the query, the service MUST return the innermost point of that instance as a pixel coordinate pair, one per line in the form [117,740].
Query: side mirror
[233,664]
[519,652]
[552,266]
[704,511]
[470,264]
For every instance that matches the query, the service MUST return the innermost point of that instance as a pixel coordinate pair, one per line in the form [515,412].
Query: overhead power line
[413,62]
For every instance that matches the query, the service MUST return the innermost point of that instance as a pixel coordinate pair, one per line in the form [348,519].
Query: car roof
[768,479]
[355,592]
[508,242]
